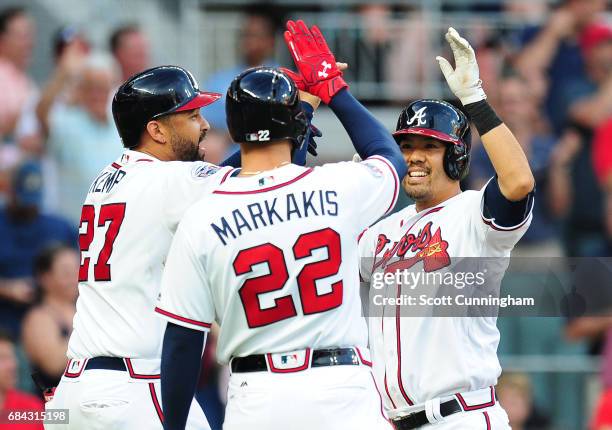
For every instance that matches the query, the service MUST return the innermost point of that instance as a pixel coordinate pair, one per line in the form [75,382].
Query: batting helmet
[150,94]
[262,104]
[442,121]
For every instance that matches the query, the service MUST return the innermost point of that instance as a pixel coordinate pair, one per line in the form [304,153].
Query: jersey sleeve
[372,186]
[366,254]
[497,237]
[187,183]
[186,298]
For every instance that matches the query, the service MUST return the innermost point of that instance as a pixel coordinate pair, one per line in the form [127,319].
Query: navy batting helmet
[262,104]
[150,94]
[442,121]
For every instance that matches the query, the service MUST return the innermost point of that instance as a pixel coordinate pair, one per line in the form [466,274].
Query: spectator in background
[594,328]
[24,232]
[47,326]
[130,47]
[590,106]
[593,92]
[82,136]
[365,46]
[16,44]
[411,40]
[598,329]
[519,110]
[10,398]
[603,413]
[256,48]
[68,46]
[602,154]
[602,163]
[515,395]
[551,57]
[29,134]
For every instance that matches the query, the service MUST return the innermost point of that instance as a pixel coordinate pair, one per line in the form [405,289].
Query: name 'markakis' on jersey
[278,209]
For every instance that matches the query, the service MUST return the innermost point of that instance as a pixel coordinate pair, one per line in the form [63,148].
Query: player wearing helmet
[440,372]
[128,219]
[271,257]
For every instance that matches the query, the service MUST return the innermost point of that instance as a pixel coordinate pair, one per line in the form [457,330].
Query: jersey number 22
[284,307]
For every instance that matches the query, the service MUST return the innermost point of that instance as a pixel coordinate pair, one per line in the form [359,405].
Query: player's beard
[186,149]
[417,192]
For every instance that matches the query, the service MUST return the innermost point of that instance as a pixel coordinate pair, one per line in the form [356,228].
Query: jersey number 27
[111,214]
[284,307]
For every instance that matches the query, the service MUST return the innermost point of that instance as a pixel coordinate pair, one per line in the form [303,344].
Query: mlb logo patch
[289,361]
[252,137]
[266,180]
[75,367]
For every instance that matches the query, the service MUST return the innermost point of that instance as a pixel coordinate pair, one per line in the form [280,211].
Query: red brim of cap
[199,101]
[427,132]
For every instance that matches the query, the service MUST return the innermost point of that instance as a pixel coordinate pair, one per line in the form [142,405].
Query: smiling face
[426,182]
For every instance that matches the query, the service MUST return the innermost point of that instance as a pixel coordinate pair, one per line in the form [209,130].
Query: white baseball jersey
[418,358]
[273,258]
[128,219]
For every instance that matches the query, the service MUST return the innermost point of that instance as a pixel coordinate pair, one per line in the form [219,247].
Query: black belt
[419,419]
[106,363]
[320,358]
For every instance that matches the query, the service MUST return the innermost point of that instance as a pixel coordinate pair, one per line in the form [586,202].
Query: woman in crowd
[48,325]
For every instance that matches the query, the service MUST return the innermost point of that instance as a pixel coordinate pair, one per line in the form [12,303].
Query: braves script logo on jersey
[419,117]
[427,247]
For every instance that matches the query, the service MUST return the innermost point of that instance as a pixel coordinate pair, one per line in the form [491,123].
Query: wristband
[483,116]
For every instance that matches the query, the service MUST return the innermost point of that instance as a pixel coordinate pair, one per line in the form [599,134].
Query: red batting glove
[296,77]
[314,60]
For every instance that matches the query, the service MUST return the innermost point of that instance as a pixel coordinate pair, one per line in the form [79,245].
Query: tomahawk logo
[326,66]
[419,116]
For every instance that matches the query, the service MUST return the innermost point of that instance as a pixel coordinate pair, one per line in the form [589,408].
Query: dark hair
[5,336]
[272,15]
[44,259]
[115,38]
[62,37]
[7,14]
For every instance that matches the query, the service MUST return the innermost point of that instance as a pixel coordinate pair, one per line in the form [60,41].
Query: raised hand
[314,60]
[299,79]
[464,80]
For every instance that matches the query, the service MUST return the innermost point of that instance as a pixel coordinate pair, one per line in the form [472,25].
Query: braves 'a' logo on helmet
[419,117]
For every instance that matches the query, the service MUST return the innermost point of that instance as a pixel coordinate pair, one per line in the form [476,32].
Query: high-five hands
[464,80]
[315,62]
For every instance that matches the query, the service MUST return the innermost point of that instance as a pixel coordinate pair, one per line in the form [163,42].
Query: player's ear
[158,131]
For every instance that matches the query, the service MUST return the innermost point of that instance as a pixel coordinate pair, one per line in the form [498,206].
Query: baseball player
[440,372]
[271,256]
[130,214]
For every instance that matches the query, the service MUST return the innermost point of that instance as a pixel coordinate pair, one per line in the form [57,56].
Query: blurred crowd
[550,81]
